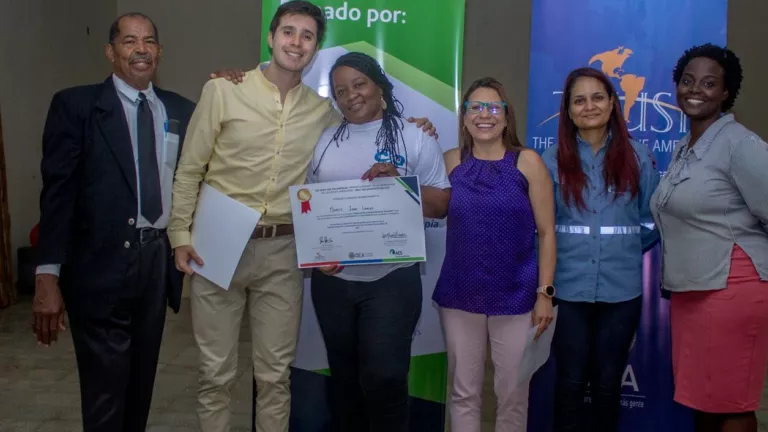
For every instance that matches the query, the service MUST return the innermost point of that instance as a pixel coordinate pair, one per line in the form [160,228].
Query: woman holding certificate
[493,285]
[368,313]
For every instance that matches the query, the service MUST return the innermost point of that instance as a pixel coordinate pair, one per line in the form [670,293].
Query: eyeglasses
[475,107]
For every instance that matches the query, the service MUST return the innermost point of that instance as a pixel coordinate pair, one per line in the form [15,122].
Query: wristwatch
[547,290]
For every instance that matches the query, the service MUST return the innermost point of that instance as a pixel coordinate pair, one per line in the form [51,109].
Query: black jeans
[592,342]
[368,328]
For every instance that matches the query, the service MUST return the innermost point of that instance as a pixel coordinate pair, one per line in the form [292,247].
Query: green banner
[419,45]
[426,36]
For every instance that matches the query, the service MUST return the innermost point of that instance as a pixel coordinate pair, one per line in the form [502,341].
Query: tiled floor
[39,389]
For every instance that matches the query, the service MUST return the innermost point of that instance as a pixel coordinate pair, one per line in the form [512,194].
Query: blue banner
[637,44]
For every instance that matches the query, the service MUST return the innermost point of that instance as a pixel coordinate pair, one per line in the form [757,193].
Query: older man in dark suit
[109,155]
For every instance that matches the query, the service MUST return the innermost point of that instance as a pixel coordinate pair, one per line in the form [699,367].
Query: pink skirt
[720,342]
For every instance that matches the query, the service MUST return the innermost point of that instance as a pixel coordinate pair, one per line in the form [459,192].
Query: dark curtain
[7,289]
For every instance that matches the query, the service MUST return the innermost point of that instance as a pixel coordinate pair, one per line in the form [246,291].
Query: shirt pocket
[171,150]
[602,198]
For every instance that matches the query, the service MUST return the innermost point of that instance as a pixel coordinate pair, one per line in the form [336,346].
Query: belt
[148,234]
[263,231]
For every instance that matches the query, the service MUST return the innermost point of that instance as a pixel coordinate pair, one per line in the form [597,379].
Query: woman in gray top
[711,209]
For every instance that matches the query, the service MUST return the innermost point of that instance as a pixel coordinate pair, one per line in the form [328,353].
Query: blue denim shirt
[600,249]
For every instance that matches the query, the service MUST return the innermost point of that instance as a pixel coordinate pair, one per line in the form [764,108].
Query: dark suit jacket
[89,193]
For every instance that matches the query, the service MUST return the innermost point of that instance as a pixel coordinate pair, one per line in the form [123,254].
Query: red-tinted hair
[620,169]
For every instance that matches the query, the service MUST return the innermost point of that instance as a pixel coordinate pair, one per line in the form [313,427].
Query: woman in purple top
[493,285]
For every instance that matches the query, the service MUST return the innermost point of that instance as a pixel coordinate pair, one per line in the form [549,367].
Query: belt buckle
[264,230]
[141,235]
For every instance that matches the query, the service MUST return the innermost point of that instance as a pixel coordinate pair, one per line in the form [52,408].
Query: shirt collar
[705,142]
[131,93]
[585,145]
[375,124]
[259,72]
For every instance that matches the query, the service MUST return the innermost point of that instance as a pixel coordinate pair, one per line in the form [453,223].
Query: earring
[383,104]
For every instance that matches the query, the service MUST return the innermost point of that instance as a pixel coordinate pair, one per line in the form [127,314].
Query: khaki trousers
[269,282]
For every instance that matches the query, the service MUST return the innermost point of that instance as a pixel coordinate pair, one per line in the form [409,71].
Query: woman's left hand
[381,170]
[543,314]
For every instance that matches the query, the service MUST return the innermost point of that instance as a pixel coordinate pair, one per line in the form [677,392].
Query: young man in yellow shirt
[251,138]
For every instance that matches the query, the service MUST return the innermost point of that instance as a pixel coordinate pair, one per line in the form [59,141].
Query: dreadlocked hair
[391,131]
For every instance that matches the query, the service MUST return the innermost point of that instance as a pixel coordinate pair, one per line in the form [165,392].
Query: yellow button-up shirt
[246,143]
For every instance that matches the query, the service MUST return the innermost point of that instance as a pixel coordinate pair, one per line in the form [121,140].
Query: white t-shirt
[357,152]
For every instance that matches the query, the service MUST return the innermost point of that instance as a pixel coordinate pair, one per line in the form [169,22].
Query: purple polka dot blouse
[490,264]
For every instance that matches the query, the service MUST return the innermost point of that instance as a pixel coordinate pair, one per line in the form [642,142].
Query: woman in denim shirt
[603,184]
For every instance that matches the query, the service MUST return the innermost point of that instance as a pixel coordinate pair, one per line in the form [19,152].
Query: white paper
[220,231]
[536,351]
[359,222]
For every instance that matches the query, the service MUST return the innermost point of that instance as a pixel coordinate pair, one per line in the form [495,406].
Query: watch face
[549,290]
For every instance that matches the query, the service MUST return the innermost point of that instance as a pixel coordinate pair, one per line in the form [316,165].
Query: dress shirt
[714,195]
[600,249]
[166,147]
[246,143]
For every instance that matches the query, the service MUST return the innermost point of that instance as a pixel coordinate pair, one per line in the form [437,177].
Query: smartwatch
[547,290]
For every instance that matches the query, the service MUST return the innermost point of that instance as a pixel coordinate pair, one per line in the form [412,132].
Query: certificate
[356,222]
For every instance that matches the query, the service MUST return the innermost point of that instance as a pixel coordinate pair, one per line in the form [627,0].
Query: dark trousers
[368,328]
[592,342]
[117,351]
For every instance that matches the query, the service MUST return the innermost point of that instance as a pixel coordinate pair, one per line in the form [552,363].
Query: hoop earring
[383,104]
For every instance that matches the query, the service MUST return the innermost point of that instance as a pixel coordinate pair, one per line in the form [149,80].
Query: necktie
[149,177]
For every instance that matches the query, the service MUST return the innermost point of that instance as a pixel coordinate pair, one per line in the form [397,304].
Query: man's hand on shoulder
[232,75]
[47,309]
[425,125]
[182,255]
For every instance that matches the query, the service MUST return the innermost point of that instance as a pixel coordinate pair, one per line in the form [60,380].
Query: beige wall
[44,47]
[747,36]
[496,43]
[200,37]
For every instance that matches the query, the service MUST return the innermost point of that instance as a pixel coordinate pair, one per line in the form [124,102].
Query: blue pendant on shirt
[383,156]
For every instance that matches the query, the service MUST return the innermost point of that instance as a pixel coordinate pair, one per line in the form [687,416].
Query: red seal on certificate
[304,196]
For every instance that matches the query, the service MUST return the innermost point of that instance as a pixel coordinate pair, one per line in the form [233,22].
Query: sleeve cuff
[53,269]
[179,238]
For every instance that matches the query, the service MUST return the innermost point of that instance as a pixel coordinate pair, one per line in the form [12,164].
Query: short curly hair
[726,58]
